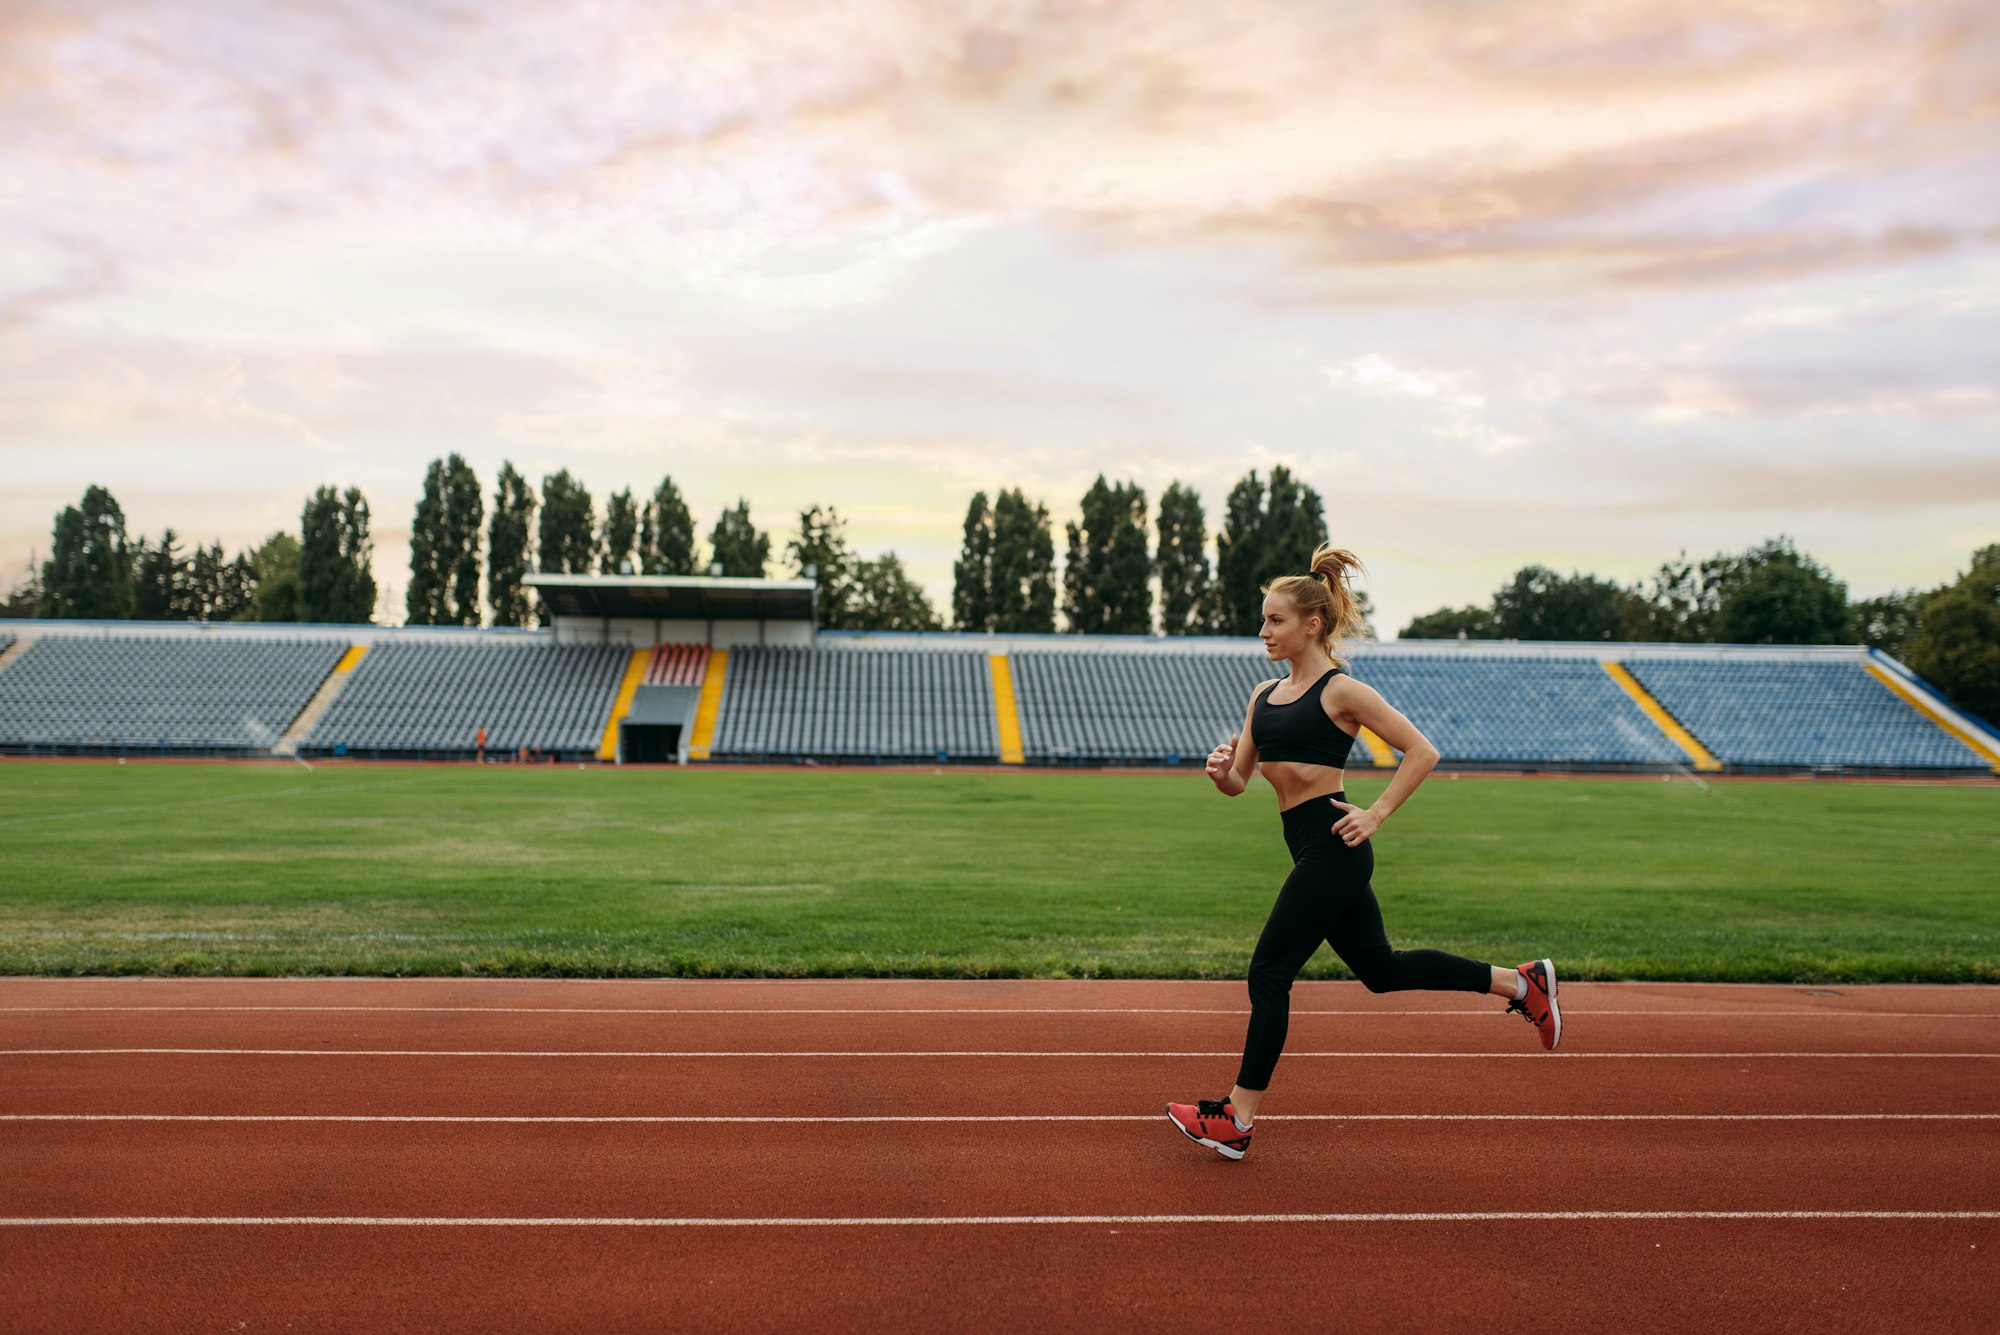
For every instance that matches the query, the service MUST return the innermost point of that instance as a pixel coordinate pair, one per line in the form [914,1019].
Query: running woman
[1300,730]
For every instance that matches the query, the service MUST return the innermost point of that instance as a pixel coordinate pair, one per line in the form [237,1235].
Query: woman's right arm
[1231,765]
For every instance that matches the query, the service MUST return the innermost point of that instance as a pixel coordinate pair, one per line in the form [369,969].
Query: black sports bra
[1284,733]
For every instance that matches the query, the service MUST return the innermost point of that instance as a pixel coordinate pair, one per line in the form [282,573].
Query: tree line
[469,557]
[1005,577]
[1125,570]
[324,572]
[1768,594]
[96,570]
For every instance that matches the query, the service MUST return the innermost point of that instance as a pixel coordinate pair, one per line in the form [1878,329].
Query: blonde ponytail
[1326,593]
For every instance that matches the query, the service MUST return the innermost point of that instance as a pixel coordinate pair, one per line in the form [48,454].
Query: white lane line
[1232,1055]
[933,1221]
[1482,1014]
[1010,1117]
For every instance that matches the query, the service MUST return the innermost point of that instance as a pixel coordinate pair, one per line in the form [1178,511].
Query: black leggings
[1327,898]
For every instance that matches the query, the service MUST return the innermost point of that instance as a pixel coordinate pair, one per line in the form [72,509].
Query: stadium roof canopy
[677,597]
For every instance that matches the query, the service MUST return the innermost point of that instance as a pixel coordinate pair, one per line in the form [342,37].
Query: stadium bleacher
[785,701]
[424,692]
[1164,708]
[1798,715]
[1518,710]
[197,693]
[432,698]
[1113,708]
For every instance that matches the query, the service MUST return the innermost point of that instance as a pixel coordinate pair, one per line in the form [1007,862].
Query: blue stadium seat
[781,701]
[1154,707]
[208,692]
[1798,714]
[426,696]
[1515,709]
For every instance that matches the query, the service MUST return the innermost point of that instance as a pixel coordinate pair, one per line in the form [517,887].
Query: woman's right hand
[1220,759]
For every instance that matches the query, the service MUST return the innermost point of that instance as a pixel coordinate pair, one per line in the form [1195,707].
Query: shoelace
[1211,1108]
[1519,1005]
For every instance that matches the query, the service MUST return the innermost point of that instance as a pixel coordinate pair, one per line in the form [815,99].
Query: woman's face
[1285,633]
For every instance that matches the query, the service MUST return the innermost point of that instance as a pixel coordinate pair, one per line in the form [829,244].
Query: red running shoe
[1210,1122]
[1539,1007]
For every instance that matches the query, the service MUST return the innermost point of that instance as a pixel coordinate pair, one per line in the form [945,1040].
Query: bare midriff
[1295,781]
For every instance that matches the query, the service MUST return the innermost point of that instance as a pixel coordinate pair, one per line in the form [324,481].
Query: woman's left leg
[1357,936]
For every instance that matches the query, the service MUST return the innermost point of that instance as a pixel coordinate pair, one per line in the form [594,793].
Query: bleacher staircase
[1669,726]
[1978,745]
[288,745]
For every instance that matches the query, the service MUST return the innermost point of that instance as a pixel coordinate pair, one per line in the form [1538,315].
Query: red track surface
[1395,1116]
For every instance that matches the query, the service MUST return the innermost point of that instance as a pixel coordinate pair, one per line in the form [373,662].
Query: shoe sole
[1555,1011]
[1216,1145]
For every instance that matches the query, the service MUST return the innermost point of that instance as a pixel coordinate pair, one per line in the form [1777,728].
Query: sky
[1505,281]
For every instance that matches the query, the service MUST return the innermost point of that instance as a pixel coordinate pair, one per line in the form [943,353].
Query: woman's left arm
[1365,705]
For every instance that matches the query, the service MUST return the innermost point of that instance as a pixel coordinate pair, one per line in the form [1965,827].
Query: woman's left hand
[1355,827]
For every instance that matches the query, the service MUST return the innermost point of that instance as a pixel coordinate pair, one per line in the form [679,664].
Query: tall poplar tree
[1024,560]
[508,544]
[444,547]
[1267,533]
[336,581]
[275,583]
[220,588]
[666,533]
[620,532]
[1294,525]
[1181,561]
[1238,556]
[89,570]
[972,573]
[465,515]
[567,540]
[1106,581]
[822,547]
[423,601]
[739,548]
[160,582]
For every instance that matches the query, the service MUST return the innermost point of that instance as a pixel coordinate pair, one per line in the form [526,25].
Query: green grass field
[219,869]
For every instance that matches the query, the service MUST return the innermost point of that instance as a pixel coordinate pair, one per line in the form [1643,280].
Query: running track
[372,1154]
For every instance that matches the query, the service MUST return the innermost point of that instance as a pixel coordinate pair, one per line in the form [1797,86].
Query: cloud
[1801,486]
[1374,372]
[1516,263]
[1393,135]
[52,271]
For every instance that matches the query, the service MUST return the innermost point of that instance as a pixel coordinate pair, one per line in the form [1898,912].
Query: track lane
[872,993]
[1826,1274]
[1489,1029]
[860,1086]
[770,1170]
[1822,1276]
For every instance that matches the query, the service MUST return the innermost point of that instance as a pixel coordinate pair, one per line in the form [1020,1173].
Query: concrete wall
[640,633]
